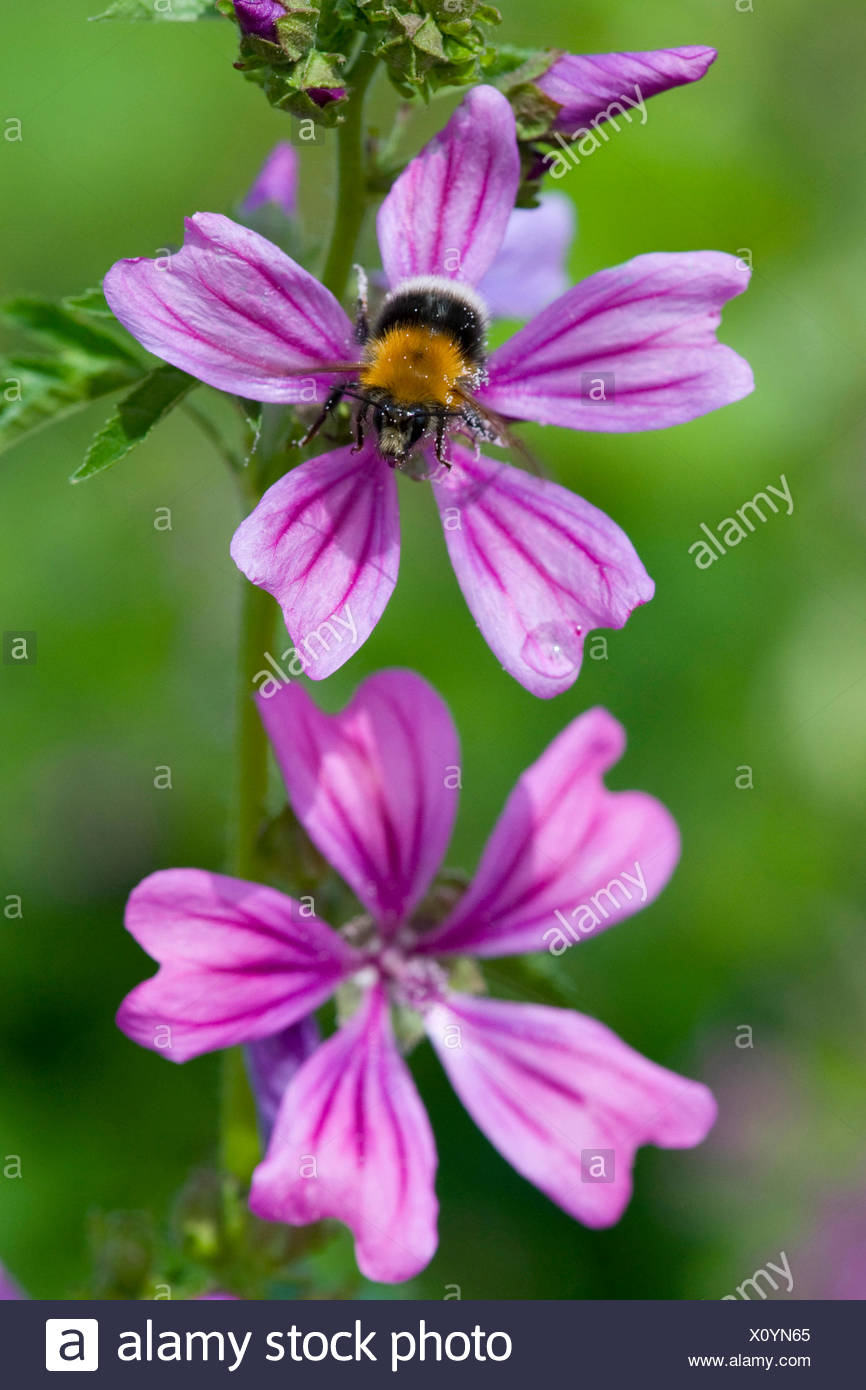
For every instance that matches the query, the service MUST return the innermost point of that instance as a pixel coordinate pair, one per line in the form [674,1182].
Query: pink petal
[539,567]
[353,1141]
[562,840]
[272,1062]
[530,270]
[585,85]
[373,785]
[276,182]
[233,310]
[632,348]
[563,1099]
[325,541]
[238,962]
[447,212]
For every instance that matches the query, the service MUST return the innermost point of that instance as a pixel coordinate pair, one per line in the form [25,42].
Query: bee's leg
[440,441]
[362,323]
[360,422]
[478,427]
[332,400]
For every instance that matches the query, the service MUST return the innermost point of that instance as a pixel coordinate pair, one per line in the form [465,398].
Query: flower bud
[589,89]
[259,17]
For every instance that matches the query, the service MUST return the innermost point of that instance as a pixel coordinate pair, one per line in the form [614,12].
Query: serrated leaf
[63,327]
[160,9]
[153,399]
[37,390]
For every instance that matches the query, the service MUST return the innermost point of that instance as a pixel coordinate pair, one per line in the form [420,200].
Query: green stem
[239,1142]
[351,179]
[239,1146]
[210,431]
[257,621]
[251,774]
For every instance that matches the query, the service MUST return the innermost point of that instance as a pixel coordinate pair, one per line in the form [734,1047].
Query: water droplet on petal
[554,649]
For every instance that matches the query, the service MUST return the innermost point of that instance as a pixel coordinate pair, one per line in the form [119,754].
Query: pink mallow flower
[633,348]
[832,1263]
[562,1098]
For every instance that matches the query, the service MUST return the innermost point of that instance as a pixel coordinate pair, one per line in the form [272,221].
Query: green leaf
[296,33]
[519,64]
[63,327]
[253,414]
[153,398]
[91,302]
[36,390]
[160,9]
[87,361]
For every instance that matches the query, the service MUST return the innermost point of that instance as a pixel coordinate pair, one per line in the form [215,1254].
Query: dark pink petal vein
[352,1141]
[238,962]
[447,212]
[632,348]
[325,541]
[232,309]
[539,567]
[558,1094]
[564,845]
[372,785]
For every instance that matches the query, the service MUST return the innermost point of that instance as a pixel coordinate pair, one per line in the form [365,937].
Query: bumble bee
[423,356]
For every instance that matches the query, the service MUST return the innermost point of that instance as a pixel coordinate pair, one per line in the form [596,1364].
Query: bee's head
[399,429]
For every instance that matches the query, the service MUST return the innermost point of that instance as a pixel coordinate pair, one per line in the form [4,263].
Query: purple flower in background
[276,182]
[529,271]
[596,87]
[832,1263]
[563,1099]
[9,1291]
[259,17]
[273,1061]
[630,348]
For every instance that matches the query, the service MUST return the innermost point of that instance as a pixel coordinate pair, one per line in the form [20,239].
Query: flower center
[413,983]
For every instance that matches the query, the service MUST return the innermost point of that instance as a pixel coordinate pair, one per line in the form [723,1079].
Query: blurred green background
[758,661]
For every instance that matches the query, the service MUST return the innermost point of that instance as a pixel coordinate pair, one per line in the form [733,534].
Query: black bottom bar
[422,1344]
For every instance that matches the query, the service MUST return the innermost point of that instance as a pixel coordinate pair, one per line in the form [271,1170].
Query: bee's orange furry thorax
[415,365]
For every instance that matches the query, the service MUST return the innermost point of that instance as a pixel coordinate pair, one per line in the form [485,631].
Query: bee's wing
[323,368]
[506,436]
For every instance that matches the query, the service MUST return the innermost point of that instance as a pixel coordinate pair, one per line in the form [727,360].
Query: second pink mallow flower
[556,1092]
